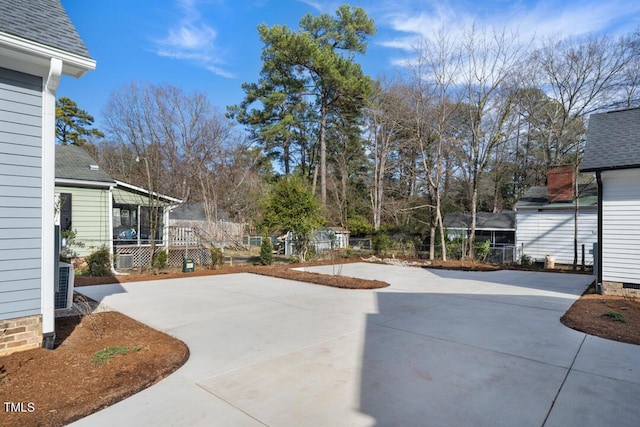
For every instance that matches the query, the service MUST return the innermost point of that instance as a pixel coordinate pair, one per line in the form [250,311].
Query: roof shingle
[41,21]
[74,163]
[613,141]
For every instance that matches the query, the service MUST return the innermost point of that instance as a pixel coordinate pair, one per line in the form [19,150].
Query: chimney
[560,185]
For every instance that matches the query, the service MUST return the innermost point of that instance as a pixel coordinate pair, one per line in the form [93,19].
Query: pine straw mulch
[63,385]
[612,317]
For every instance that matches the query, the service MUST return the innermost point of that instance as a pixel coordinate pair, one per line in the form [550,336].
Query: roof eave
[610,168]
[145,191]
[38,54]
[84,183]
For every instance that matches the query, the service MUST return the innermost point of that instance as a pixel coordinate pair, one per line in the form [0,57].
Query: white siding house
[38,44]
[550,232]
[546,227]
[613,153]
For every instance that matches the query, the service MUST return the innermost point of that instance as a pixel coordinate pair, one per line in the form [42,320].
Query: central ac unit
[64,286]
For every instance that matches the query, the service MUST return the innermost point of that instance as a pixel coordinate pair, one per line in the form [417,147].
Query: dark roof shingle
[74,163]
[538,197]
[41,21]
[613,141]
[484,220]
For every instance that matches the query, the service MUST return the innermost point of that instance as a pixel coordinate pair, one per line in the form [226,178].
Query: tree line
[467,124]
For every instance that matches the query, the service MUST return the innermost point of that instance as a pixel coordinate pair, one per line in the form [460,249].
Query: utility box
[188,265]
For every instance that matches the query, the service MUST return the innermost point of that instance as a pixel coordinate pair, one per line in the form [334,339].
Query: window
[131,225]
[65,211]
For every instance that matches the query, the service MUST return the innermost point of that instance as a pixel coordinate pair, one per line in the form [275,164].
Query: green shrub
[615,315]
[159,259]
[526,261]
[98,263]
[217,258]
[359,225]
[103,356]
[454,249]
[266,251]
[381,243]
[481,250]
[294,259]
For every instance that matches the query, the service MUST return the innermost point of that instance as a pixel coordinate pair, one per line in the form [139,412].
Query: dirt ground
[63,385]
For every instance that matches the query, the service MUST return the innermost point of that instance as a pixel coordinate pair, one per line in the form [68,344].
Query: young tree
[73,123]
[384,127]
[435,108]
[491,59]
[291,207]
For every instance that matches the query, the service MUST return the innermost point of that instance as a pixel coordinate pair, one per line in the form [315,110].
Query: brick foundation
[22,333]
[615,288]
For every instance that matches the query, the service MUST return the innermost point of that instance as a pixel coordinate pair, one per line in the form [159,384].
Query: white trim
[48,263]
[481,229]
[39,55]
[83,183]
[111,249]
[142,190]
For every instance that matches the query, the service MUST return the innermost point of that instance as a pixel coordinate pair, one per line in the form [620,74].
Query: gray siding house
[38,44]
[613,153]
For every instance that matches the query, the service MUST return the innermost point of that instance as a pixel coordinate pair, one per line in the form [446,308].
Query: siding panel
[89,217]
[20,193]
[621,226]
[551,233]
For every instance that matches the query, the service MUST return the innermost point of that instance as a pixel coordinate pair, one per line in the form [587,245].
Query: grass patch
[615,315]
[103,356]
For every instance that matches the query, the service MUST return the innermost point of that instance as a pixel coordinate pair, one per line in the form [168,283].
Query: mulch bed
[588,314]
[63,385]
[280,271]
[335,281]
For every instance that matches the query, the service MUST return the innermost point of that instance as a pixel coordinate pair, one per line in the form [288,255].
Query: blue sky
[213,45]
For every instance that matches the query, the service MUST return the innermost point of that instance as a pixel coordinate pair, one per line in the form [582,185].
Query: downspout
[600,233]
[48,263]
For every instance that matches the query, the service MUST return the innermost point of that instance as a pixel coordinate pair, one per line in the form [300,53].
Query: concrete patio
[436,348]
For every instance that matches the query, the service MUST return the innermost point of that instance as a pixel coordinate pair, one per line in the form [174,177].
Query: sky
[213,45]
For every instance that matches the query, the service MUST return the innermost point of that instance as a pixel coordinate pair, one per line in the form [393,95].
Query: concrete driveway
[436,348]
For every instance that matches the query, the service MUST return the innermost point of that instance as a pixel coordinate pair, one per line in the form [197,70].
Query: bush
[481,250]
[159,259]
[526,261]
[381,243]
[454,249]
[98,263]
[266,251]
[216,258]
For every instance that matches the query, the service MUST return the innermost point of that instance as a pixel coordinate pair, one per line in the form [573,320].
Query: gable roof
[538,198]
[41,21]
[613,141]
[75,164]
[484,221]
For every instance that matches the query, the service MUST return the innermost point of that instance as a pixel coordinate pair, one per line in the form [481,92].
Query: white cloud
[413,19]
[192,40]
